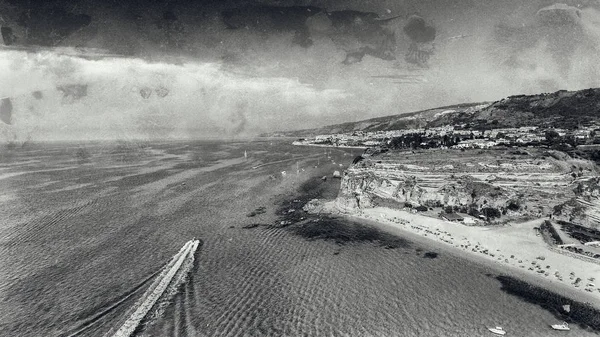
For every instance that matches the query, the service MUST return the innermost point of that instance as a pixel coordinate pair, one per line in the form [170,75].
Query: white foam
[158,288]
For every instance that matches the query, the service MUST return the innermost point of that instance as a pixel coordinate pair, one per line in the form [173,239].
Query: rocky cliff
[480,183]
[360,189]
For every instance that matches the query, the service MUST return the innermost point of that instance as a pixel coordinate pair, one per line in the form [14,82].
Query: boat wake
[166,285]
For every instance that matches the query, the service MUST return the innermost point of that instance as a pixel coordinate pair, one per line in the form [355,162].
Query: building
[453,217]
[475,143]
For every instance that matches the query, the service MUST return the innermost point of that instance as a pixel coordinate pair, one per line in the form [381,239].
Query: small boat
[564,326]
[498,330]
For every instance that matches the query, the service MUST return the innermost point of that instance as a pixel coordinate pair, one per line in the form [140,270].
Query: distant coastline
[330,146]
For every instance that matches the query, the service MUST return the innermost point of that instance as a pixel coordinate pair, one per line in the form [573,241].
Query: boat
[564,326]
[498,330]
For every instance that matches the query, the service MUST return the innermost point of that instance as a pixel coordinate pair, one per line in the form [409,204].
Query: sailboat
[563,327]
[498,330]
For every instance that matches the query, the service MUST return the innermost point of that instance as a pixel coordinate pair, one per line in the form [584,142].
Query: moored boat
[498,330]
[564,326]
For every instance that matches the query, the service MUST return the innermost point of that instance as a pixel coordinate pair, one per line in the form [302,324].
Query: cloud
[246,81]
[201,100]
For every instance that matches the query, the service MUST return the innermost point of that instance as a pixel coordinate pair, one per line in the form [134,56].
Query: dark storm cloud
[349,18]
[268,18]
[48,26]
[145,27]
[8,37]
[272,20]
[418,31]
[6,109]
[287,66]
[368,29]
[421,36]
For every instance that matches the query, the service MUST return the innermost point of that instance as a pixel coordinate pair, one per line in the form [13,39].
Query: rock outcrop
[361,189]
[478,183]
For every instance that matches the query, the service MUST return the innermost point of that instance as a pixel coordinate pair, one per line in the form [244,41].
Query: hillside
[418,119]
[564,109]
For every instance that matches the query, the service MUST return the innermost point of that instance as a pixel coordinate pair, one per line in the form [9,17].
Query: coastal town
[526,184]
[461,136]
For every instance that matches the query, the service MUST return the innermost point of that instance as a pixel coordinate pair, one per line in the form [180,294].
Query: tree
[491,213]
[571,140]
[557,210]
[552,136]
[513,205]
[473,211]
[421,208]
[446,140]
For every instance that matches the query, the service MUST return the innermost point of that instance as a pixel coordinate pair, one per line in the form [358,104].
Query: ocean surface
[86,228]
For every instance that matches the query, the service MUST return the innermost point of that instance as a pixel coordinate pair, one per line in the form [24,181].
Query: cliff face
[475,182]
[362,189]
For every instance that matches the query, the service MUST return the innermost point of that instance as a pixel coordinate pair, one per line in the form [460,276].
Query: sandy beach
[513,249]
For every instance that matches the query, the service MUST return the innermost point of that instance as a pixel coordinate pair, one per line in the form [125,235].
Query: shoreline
[332,146]
[512,256]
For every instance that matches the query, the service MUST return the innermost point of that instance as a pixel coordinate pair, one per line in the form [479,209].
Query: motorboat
[498,330]
[564,326]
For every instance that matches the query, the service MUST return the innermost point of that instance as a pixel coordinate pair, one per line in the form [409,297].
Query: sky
[187,70]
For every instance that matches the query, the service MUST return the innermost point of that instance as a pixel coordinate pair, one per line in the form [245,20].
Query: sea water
[86,237]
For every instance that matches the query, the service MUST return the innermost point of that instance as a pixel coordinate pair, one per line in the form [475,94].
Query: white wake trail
[184,258]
